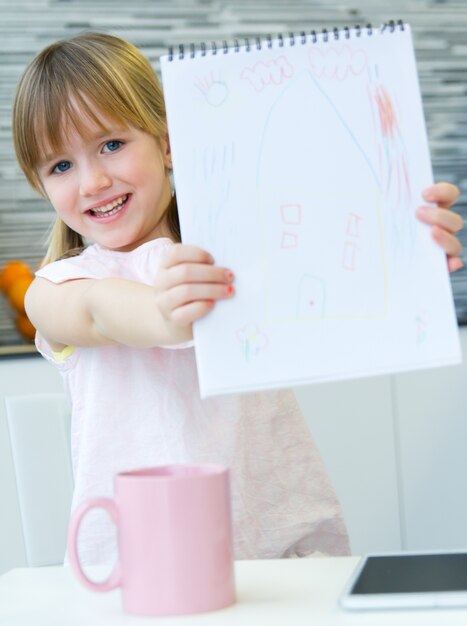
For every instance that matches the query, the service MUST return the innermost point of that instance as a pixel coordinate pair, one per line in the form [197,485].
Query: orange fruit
[17,291]
[25,327]
[12,271]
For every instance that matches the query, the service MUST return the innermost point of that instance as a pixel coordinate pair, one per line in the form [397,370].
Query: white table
[288,592]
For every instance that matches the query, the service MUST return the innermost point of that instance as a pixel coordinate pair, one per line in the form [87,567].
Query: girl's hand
[188,284]
[445,223]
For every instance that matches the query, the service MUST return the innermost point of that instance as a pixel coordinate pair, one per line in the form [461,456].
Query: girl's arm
[91,312]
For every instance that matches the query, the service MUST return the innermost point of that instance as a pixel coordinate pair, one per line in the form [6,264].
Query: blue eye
[61,167]
[112,145]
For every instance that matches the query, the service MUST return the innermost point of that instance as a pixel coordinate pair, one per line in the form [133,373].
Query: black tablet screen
[413,574]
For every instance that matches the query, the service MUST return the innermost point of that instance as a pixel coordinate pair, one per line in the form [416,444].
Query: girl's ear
[167,155]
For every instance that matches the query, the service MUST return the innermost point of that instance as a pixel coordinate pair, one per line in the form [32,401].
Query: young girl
[117,295]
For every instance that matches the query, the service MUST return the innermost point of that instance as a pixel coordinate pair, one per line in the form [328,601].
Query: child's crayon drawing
[291,213]
[213,89]
[393,164]
[291,217]
[213,165]
[252,340]
[262,75]
[353,225]
[349,260]
[299,165]
[351,249]
[340,256]
[337,62]
[289,240]
[311,298]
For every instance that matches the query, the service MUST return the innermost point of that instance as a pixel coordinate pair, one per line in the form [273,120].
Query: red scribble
[387,114]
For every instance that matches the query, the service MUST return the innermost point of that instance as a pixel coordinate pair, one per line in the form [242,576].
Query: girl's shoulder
[84,265]
[97,262]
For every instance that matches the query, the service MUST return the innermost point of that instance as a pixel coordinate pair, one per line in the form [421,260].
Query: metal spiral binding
[291,38]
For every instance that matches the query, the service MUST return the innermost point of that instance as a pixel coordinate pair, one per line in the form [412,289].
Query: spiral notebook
[298,163]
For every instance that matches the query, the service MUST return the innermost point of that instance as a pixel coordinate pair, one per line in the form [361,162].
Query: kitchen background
[26,26]
[394,446]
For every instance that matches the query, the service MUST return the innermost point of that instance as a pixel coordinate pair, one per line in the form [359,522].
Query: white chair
[39,427]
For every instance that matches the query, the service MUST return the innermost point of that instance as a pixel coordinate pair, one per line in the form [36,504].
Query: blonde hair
[97,72]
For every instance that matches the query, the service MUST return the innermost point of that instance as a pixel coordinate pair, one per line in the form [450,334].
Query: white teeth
[110,208]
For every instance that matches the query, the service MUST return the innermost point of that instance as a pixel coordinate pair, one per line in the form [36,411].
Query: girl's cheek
[58,198]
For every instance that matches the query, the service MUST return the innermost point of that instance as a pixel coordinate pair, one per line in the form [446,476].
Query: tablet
[408,580]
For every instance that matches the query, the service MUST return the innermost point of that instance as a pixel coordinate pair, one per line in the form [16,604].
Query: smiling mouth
[109,209]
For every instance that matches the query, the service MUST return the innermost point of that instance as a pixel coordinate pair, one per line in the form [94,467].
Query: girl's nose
[93,179]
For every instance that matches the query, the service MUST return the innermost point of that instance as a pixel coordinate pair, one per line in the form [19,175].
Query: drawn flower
[252,339]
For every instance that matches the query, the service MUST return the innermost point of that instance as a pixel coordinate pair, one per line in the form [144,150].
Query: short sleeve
[63,361]
[77,267]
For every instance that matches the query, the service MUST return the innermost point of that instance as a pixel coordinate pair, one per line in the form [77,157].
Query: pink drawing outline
[291,213]
[353,225]
[289,240]
[349,259]
[273,72]
[337,62]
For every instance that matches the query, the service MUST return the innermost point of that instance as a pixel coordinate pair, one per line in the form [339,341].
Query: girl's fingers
[442,194]
[181,295]
[189,313]
[454,263]
[188,284]
[450,244]
[182,253]
[187,273]
[445,223]
[443,218]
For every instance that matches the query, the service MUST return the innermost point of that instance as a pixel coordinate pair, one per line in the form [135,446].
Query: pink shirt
[141,407]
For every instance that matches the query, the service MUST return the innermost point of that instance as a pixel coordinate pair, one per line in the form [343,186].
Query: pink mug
[174,536]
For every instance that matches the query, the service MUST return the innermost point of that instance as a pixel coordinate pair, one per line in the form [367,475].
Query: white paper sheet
[300,166]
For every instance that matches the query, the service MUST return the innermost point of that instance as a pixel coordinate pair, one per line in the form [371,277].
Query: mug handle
[115,578]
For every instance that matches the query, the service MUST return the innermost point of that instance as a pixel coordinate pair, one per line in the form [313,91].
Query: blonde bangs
[79,83]
[72,109]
